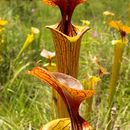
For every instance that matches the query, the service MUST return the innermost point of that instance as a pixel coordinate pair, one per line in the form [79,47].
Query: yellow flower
[91,82]
[108,13]
[28,41]
[123,29]
[85,22]
[35,30]
[115,42]
[3,22]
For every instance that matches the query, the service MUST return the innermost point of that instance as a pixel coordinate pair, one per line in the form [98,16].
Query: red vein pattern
[69,89]
[67,51]
[67,56]
[67,8]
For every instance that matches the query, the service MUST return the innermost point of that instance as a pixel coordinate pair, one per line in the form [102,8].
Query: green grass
[25,102]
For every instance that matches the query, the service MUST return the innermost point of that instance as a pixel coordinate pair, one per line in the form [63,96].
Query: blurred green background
[25,102]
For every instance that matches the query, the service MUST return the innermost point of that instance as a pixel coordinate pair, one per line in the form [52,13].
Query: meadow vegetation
[25,102]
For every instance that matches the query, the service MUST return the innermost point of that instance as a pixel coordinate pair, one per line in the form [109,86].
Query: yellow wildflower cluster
[123,29]
[2,28]
[2,24]
[85,22]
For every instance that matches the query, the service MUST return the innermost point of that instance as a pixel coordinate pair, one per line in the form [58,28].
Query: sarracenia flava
[119,46]
[71,92]
[67,39]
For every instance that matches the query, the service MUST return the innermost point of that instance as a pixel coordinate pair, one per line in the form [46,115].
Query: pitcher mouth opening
[78,31]
[69,89]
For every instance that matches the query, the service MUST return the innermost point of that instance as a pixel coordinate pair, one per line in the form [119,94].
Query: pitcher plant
[70,90]
[67,38]
[119,46]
